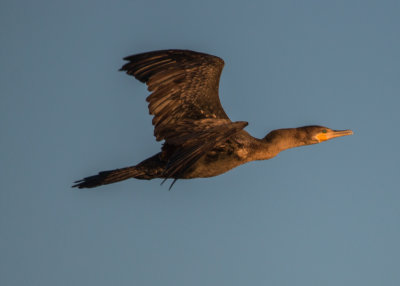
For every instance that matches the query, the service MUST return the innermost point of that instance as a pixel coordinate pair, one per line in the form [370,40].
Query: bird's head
[317,134]
[293,137]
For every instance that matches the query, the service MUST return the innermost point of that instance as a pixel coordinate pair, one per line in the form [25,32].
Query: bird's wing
[185,104]
[184,86]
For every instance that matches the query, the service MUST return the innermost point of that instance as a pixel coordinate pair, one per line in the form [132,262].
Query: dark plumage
[200,139]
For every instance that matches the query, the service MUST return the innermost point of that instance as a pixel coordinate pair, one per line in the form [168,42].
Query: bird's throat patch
[322,137]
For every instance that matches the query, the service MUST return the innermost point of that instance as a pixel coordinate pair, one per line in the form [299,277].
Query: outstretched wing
[184,86]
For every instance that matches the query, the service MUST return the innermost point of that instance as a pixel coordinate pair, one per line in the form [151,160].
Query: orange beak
[333,134]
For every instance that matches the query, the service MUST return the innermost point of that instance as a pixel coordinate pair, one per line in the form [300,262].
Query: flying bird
[199,138]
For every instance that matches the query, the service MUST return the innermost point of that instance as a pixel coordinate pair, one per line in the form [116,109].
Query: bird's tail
[108,177]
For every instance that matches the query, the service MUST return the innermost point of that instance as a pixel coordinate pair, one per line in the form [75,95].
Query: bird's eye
[324,131]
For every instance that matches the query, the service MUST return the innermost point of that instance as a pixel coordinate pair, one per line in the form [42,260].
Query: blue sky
[326,214]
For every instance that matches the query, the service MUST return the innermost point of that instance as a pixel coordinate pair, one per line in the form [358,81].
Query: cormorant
[200,139]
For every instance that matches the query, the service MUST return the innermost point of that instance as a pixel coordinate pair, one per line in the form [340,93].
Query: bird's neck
[277,141]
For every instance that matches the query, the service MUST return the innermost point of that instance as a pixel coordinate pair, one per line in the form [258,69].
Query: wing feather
[189,80]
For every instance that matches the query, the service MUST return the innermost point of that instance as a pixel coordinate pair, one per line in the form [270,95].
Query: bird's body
[200,139]
[237,150]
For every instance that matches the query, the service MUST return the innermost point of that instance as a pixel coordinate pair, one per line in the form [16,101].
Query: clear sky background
[327,214]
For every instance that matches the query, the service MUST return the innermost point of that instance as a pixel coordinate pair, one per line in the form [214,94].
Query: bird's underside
[224,157]
[199,138]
